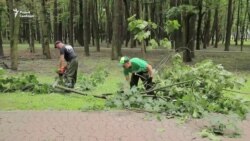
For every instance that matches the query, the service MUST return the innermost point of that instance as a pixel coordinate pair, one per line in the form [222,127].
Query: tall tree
[229,24]
[238,22]
[200,16]
[71,22]
[216,26]
[45,29]
[117,30]
[1,20]
[206,31]
[80,33]
[243,25]
[86,27]
[96,25]
[177,35]
[55,12]
[14,20]
[107,5]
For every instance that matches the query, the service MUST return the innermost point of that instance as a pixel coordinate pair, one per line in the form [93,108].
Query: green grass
[28,101]
[245,90]
[57,101]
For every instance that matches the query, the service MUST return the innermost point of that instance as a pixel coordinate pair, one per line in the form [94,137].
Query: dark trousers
[147,81]
[71,73]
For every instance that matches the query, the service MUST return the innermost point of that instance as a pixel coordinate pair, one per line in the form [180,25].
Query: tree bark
[229,24]
[177,35]
[237,24]
[80,32]
[96,26]
[71,23]
[86,27]
[1,41]
[45,30]
[56,36]
[109,22]
[243,26]
[117,30]
[14,21]
[216,24]
[207,30]
[31,37]
[200,15]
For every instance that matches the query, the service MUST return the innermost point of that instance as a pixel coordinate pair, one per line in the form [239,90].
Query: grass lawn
[45,71]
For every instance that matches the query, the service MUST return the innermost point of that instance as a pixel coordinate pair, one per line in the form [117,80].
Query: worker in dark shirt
[69,70]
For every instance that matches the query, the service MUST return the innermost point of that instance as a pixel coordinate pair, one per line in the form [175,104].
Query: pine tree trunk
[31,36]
[96,26]
[117,30]
[207,30]
[127,15]
[229,24]
[237,24]
[71,23]
[177,37]
[243,25]
[14,21]
[216,24]
[109,22]
[200,15]
[56,20]
[86,27]
[80,33]
[45,30]
[1,40]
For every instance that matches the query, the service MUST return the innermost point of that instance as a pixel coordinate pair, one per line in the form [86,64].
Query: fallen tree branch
[160,88]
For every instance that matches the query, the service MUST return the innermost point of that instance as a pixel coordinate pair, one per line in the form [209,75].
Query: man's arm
[61,61]
[150,70]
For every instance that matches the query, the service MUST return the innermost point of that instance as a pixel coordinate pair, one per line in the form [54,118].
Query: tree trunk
[56,21]
[96,25]
[229,24]
[200,15]
[237,24]
[86,27]
[109,22]
[188,33]
[71,23]
[127,15]
[177,35]
[117,30]
[216,24]
[1,41]
[80,32]
[14,20]
[207,30]
[243,26]
[31,36]
[45,30]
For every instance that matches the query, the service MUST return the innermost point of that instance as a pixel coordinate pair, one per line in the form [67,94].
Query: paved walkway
[98,126]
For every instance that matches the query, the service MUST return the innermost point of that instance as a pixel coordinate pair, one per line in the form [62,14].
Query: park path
[99,126]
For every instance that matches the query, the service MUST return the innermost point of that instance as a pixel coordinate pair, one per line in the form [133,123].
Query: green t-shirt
[137,65]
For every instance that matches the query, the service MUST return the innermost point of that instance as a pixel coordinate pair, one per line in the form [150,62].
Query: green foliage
[185,90]
[24,82]
[171,25]
[142,30]
[174,12]
[90,82]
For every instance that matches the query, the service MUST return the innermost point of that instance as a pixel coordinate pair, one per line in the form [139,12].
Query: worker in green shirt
[138,69]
